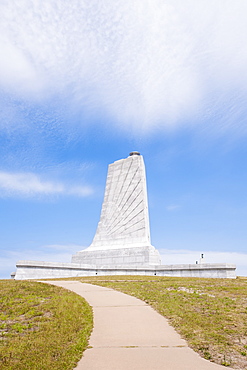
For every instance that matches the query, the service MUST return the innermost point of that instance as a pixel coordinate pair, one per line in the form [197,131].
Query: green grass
[211,314]
[46,327]
[42,327]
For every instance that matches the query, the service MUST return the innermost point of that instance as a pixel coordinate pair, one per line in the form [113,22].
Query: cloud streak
[30,185]
[173,207]
[145,63]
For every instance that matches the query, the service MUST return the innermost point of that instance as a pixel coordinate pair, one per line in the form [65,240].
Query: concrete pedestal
[136,256]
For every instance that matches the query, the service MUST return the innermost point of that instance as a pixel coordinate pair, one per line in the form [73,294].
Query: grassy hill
[46,327]
[42,327]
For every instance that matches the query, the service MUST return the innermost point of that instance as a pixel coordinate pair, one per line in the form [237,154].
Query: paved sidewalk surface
[129,335]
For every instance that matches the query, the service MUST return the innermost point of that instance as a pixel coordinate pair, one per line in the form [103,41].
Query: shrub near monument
[41,326]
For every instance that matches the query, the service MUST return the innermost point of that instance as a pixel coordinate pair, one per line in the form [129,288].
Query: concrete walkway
[129,335]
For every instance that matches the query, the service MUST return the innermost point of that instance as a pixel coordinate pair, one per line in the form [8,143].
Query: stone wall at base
[51,270]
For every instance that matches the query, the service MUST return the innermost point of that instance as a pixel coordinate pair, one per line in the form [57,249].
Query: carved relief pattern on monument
[124,215]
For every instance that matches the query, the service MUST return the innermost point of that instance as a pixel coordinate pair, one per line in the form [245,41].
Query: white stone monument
[123,235]
[121,245]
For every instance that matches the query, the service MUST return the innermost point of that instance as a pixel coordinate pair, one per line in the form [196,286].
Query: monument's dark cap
[134,153]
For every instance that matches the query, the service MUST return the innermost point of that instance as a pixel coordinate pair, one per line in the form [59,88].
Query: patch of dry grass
[42,327]
[211,314]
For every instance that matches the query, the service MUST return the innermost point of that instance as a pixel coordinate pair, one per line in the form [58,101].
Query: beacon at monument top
[134,153]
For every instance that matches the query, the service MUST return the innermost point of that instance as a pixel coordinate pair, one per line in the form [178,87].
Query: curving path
[130,335]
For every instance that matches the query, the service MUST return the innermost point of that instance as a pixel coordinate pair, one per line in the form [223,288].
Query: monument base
[52,270]
[133,256]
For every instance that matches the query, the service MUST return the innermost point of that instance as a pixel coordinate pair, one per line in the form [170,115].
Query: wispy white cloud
[172,207]
[61,248]
[144,63]
[30,184]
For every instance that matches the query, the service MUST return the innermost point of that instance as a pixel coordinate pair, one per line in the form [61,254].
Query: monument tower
[123,235]
[121,245]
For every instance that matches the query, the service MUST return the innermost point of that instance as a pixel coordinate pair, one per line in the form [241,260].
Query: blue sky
[83,83]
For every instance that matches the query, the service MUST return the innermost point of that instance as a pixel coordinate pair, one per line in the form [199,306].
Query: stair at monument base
[134,256]
[49,270]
